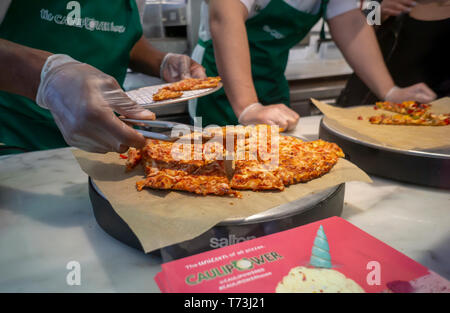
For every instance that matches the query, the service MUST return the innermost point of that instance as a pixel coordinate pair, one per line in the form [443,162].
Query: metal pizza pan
[423,167]
[313,207]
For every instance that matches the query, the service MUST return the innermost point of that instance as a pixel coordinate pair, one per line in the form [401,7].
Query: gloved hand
[82,100]
[274,114]
[419,92]
[175,67]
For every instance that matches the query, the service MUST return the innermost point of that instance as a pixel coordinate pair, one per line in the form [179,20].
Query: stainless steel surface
[438,153]
[174,45]
[326,89]
[160,13]
[321,88]
[143,96]
[152,20]
[135,80]
[164,24]
[193,23]
[174,12]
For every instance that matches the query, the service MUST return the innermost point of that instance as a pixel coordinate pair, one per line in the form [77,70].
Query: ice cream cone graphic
[320,254]
[319,275]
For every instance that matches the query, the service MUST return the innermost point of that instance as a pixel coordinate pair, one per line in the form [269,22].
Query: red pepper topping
[375,108]
[123,156]
[360,117]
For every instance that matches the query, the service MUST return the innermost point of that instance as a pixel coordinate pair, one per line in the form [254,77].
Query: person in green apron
[63,65]
[247,43]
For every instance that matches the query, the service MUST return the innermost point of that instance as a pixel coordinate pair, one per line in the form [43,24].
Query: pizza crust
[176,89]
[293,161]
[408,113]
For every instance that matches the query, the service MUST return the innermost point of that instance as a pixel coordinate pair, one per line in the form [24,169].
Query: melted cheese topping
[277,162]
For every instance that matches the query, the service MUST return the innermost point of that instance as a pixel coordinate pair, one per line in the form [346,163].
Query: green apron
[271,34]
[103,37]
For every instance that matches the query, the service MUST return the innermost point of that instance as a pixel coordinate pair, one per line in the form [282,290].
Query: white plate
[144,95]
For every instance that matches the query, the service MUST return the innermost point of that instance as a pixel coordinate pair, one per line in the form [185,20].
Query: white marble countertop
[46,221]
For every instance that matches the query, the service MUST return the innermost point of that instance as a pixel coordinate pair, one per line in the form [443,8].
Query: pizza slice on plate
[209,82]
[175,90]
[194,84]
[165,94]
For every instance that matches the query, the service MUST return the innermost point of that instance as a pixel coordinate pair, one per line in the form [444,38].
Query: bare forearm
[20,68]
[227,24]
[357,41]
[145,58]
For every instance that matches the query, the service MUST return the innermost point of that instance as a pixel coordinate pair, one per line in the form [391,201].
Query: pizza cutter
[182,128]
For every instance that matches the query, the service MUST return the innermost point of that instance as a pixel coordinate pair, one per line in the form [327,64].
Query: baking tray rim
[307,202]
[278,212]
[380,147]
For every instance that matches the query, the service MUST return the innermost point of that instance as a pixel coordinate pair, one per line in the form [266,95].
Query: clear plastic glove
[274,114]
[419,92]
[82,100]
[175,67]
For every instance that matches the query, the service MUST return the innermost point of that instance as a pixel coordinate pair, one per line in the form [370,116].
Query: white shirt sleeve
[338,7]
[335,7]
[248,4]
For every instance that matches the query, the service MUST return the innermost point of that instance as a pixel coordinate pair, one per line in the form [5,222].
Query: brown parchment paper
[425,138]
[162,218]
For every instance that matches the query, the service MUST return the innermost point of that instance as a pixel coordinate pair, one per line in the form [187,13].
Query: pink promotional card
[330,255]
